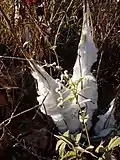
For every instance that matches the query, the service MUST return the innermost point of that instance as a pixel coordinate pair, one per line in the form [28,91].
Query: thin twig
[23,112]
[61,22]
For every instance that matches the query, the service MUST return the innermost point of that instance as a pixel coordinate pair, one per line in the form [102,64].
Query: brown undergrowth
[55,37]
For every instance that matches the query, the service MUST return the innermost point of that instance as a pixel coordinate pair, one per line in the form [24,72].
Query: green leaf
[114,142]
[100,149]
[59,142]
[100,158]
[66,134]
[78,137]
[86,118]
[62,149]
[65,139]
[53,48]
[71,155]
